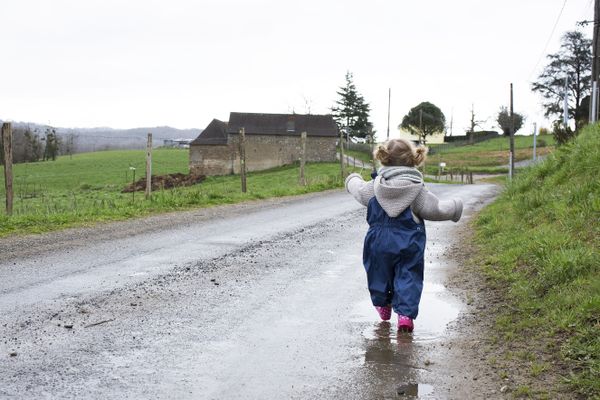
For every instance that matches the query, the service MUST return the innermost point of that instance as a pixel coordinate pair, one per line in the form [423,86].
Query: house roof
[214,133]
[282,124]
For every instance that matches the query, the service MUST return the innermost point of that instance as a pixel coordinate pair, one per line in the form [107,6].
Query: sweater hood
[396,188]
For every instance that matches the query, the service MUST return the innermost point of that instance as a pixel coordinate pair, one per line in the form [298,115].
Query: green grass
[488,157]
[539,244]
[87,188]
[432,169]
[360,155]
[496,144]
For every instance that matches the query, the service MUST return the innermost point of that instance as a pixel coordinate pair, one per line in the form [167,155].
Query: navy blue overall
[393,256]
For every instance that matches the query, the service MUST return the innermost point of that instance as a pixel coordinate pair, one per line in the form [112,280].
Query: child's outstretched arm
[428,206]
[362,191]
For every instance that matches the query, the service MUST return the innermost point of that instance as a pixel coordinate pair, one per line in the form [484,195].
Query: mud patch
[168,181]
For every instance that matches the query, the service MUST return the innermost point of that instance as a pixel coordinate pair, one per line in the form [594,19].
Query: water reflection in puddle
[395,361]
[437,309]
[391,362]
[414,390]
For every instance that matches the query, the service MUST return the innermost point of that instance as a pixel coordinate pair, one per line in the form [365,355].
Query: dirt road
[257,301]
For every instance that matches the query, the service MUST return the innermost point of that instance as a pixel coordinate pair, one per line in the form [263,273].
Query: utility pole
[472,132]
[595,61]
[596,54]
[511,164]
[422,137]
[594,103]
[389,103]
[566,104]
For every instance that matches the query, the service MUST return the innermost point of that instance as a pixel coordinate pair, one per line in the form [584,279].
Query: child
[397,203]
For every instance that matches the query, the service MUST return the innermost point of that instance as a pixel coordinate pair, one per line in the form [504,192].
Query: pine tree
[351,110]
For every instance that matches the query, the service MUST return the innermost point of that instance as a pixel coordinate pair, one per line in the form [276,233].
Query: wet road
[264,303]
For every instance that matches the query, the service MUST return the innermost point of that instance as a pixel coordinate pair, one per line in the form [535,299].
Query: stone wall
[262,152]
[210,159]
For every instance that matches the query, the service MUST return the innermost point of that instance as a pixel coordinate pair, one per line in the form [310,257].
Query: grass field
[359,155]
[488,157]
[539,246]
[497,144]
[87,188]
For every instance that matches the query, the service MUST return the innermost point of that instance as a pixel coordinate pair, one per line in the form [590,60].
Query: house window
[291,126]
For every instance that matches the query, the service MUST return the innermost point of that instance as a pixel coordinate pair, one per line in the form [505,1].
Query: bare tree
[573,62]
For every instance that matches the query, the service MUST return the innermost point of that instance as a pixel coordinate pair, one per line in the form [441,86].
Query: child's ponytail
[419,155]
[400,152]
[383,155]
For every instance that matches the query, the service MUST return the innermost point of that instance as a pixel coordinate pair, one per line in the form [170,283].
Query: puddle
[414,390]
[394,362]
[437,309]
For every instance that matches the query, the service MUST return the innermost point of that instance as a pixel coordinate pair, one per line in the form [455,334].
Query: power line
[587,8]
[549,39]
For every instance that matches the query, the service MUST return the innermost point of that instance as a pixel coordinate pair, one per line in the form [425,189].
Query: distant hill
[105,138]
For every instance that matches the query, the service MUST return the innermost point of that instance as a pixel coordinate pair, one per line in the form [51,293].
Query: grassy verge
[540,244]
[432,169]
[359,155]
[86,189]
[496,144]
[488,157]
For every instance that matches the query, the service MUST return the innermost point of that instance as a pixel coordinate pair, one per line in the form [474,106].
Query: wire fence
[110,185]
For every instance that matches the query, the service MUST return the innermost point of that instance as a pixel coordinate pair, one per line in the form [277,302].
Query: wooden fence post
[149,167]
[8,174]
[303,159]
[243,158]
[342,155]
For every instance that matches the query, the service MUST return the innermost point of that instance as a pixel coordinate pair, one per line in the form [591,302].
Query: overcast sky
[87,63]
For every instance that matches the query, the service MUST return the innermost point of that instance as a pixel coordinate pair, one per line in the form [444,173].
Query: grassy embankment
[87,188]
[364,156]
[539,245]
[488,157]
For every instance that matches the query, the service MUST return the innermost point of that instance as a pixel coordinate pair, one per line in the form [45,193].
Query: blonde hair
[400,152]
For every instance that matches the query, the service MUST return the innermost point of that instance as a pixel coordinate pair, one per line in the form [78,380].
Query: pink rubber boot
[405,324]
[385,313]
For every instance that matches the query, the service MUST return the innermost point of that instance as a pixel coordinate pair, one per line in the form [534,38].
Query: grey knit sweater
[397,188]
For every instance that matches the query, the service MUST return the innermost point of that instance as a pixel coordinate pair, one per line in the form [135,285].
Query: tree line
[568,73]
[30,145]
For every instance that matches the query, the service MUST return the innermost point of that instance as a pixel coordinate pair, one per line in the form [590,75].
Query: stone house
[272,140]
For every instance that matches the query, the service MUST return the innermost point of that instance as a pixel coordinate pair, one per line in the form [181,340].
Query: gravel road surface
[263,300]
